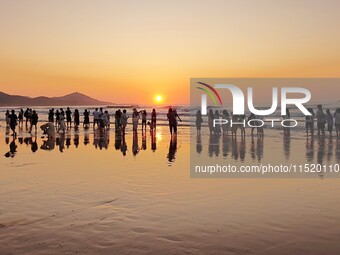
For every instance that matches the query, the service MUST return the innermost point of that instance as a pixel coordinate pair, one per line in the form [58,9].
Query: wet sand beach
[85,197]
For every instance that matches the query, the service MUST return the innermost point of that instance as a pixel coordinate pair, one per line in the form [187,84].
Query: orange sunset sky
[131,51]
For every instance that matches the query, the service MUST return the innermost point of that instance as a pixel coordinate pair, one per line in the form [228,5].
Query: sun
[159,99]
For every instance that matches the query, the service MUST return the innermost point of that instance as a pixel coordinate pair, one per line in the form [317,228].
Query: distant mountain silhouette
[68,100]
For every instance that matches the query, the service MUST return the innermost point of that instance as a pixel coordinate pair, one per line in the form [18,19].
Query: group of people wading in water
[59,120]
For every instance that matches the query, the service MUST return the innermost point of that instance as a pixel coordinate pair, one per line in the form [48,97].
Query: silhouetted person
[8,121]
[321,120]
[123,121]
[153,119]
[86,122]
[330,121]
[27,116]
[57,118]
[21,118]
[62,126]
[76,118]
[199,121]
[172,117]
[68,117]
[135,120]
[96,114]
[48,129]
[118,120]
[13,122]
[51,115]
[144,114]
[34,121]
[310,122]
[106,119]
[211,121]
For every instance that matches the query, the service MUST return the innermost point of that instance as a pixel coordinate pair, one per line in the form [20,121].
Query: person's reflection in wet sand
[310,149]
[123,148]
[214,145]
[76,140]
[135,147]
[62,142]
[259,148]
[242,149]
[86,138]
[96,138]
[286,145]
[118,140]
[104,139]
[68,141]
[34,145]
[225,146]
[49,144]
[172,149]
[153,140]
[234,148]
[7,135]
[337,151]
[330,149]
[143,140]
[12,149]
[199,146]
[252,149]
[321,150]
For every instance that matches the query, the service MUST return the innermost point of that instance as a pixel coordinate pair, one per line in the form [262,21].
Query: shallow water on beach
[79,194]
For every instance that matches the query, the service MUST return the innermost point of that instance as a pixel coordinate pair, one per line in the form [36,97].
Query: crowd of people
[59,120]
[322,119]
